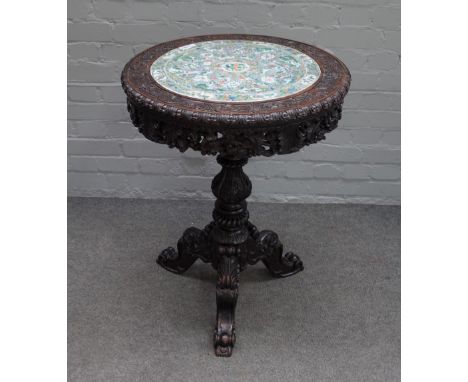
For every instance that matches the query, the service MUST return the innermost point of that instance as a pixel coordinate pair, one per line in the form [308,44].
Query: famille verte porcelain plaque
[235,71]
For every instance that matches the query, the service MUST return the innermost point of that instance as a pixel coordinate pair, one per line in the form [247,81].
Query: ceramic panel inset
[235,71]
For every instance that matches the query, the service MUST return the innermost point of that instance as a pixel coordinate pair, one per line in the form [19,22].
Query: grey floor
[129,320]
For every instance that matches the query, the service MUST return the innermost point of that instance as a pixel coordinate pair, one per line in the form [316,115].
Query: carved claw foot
[192,245]
[227,290]
[279,264]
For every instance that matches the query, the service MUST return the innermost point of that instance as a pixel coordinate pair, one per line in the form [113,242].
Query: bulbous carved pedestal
[234,131]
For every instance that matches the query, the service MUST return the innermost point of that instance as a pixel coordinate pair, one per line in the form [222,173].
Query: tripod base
[229,244]
[260,246]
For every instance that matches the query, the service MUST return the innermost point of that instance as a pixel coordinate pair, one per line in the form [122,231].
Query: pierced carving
[234,132]
[239,143]
[239,130]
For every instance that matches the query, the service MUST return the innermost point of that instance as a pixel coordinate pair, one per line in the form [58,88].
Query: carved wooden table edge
[233,132]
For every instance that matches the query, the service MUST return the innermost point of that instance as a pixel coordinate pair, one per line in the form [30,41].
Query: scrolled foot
[279,264]
[174,262]
[192,245]
[224,343]
[227,290]
[290,264]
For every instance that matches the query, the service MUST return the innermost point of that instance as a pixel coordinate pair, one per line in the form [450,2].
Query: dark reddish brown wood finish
[234,132]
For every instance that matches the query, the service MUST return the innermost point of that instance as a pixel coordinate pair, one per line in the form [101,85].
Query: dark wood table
[234,96]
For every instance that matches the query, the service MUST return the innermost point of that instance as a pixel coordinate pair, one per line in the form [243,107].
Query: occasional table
[234,96]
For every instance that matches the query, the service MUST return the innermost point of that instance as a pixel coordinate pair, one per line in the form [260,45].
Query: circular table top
[235,94]
[235,70]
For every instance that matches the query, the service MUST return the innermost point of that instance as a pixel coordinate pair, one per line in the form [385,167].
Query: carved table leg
[192,245]
[229,243]
[279,264]
[227,290]
[268,248]
[227,239]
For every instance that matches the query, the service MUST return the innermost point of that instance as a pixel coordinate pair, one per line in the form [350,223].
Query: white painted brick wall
[359,162]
